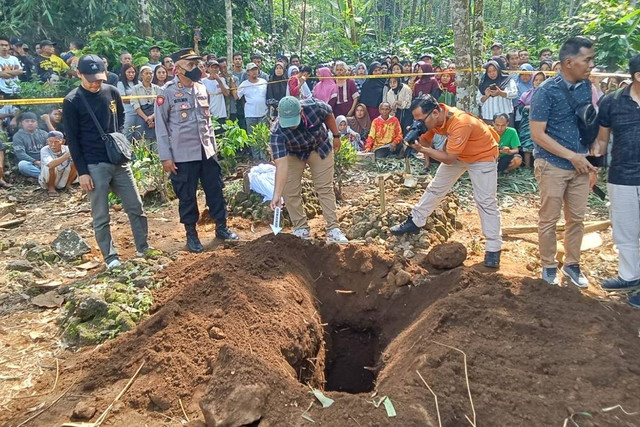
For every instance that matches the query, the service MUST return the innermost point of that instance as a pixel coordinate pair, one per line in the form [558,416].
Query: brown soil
[266,316]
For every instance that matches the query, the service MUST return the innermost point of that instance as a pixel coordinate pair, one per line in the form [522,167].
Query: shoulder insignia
[180,85]
[178,94]
[160,100]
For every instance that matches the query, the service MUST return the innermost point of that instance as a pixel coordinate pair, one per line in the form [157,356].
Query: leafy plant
[148,172]
[230,143]
[344,160]
[260,138]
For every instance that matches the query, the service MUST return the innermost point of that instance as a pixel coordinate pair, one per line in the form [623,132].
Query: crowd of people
[527,112]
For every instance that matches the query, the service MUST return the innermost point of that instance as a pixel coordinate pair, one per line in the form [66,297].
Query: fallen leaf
[90,265]
[49,300]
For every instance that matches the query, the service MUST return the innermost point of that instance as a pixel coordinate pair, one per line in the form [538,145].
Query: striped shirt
[497,104]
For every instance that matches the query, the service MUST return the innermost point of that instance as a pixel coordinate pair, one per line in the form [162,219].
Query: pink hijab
[325,89]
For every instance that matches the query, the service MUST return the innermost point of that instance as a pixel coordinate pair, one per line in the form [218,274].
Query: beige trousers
[484,180]
[560,188]
[322,176]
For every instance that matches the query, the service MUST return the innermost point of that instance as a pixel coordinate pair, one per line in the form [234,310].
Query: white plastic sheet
[262,180]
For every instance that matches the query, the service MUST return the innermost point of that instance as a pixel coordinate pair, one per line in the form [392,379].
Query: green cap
[289,112]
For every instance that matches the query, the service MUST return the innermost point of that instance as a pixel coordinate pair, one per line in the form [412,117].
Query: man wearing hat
[299,137]
[472,146]
[254,91]
[154,57]
[218,90]
[496,49]
[57,170]
[97,175]
[187,147]
[427,58]
[19,51]
[48,62]
[27,143]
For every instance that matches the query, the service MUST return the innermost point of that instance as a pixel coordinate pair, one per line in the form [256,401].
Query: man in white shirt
[10,69]
[57,170]
[218,90]
[254,90]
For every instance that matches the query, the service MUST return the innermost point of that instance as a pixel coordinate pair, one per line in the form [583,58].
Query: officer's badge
[184,115]
[159,100]
[178,94]
[184,106]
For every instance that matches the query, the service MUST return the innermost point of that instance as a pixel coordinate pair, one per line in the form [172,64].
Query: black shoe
[193,242]
[406,227]
[492,259]
[223,232]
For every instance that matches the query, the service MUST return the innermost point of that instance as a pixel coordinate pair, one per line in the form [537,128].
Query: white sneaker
[114,263]
[336,236]
[303,233]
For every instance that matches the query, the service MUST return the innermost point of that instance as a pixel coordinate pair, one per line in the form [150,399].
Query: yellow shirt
[53,63]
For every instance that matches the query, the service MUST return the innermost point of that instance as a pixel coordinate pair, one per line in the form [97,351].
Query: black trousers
[185,185]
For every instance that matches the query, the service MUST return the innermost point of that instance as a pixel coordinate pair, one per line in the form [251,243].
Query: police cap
[182,54]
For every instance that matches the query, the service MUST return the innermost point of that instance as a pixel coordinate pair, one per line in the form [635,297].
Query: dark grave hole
[352,353]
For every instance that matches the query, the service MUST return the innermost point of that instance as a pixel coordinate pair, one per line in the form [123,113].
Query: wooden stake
[383,202]
[523,229]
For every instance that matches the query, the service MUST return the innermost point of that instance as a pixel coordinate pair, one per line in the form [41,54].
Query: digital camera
[417,128]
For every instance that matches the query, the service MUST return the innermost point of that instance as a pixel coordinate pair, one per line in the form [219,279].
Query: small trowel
[277,216]
[410,181]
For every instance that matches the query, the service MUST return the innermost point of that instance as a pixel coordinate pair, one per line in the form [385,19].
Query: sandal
[53,194]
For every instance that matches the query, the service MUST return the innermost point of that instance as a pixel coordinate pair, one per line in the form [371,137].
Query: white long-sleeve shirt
[497,104]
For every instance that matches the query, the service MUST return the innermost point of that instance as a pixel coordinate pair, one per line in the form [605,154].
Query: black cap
[183,54]
[155,46]
[16,41]
[28,116]
[46,43]
[92,67]
[212,62]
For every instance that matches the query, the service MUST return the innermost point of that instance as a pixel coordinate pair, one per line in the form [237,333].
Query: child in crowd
[345,131]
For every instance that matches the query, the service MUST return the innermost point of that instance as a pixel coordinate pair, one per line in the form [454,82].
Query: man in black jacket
[88,151]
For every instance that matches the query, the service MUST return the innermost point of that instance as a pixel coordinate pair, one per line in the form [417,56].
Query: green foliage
[148,172]
[614,38]
[230,143]
[260,137]
[113,41]
[344,160]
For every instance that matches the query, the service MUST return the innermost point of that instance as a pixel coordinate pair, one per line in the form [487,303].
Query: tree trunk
[304,24]
[477,58]
[414,4]
[228,7]
[352,22]
[145,18]
[462,45]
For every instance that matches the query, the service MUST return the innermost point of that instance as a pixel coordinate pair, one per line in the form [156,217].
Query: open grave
[242,335]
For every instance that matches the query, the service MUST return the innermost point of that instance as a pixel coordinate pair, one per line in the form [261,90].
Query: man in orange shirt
[471,146]
[385,135]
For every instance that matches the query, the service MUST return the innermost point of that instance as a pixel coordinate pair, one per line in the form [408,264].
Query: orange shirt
[467,136]
[384,132]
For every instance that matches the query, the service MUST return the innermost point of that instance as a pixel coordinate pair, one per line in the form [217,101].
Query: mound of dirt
[243,333]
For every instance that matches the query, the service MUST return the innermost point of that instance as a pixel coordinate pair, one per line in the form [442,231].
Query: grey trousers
[118,179]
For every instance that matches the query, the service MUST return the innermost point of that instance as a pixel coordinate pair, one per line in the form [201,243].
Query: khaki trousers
[560,188]
[322,176]
[484,180]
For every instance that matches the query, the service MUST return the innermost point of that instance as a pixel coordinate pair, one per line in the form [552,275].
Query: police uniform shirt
[183,122]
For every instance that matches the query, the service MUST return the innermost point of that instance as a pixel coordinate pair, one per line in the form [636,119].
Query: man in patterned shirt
[299,137]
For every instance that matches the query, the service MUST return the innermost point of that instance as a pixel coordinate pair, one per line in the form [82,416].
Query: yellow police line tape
[40,101]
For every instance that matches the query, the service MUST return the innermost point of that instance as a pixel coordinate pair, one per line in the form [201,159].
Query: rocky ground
[57,305]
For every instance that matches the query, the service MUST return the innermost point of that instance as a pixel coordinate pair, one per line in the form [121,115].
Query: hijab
[371,93]
[425,84]
[277,88]
[326,88]
[501,80]
[339,120]
[292,69]
[522,86]
[358,65]
[362,125]
[451,86]
[397,90]
[525,99]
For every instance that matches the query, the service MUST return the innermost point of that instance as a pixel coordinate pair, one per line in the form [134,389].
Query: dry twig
[102,417]
[50,405]
[621,408]
[55,383]
[466,374]
[434,398]
[183,411]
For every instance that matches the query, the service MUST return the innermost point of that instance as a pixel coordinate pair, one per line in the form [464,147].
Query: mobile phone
[493,86]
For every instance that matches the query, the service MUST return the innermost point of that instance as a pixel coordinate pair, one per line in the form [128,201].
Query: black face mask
[194,75]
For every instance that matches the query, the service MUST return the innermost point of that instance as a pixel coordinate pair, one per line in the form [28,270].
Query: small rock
[90,306]
[402,278]
[216,333]
[70,246]
[161,402]
[125,322]
[50,299]
[218,313]
[35,254]
[50,257]
[391,278]
[447,255]
[531,266]
[83,411]
[241,406]
[409,254]
[546,323]
[19,265]
[142,282]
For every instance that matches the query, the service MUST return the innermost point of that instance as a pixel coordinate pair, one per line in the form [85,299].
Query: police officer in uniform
[187,147]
